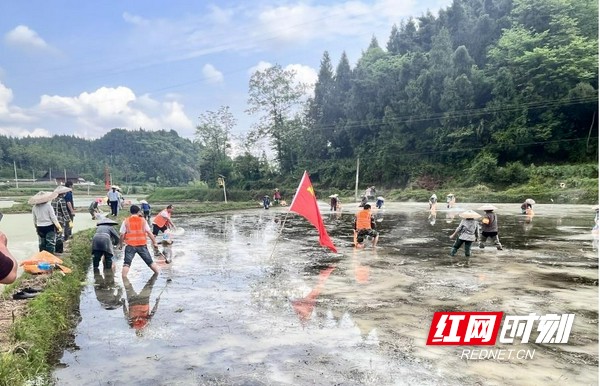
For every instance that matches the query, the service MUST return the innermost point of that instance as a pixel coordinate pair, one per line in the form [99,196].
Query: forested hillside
[160,157]
[478,94]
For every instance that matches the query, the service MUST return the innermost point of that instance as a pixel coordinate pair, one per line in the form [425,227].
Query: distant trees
[213,133]
[475,94]
[495,84]
[274,94]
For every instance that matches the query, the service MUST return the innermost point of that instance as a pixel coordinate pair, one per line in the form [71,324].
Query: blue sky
[85,67]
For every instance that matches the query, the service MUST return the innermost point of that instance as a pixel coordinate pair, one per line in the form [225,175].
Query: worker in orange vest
[162,221]
[134,231]
[364,225]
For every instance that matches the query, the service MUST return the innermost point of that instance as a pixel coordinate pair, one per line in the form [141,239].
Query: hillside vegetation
[494,93]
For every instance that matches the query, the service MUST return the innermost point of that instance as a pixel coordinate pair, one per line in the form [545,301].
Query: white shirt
[113,195]
[43,215]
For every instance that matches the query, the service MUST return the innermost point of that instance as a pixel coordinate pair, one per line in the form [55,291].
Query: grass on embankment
[40,336]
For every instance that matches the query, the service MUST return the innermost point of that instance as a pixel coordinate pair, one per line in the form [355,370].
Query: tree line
[474,95]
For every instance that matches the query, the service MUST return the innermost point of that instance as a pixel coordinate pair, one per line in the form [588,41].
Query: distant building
[60,177]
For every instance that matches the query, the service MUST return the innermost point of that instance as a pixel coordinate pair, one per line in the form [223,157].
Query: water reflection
[108,292]
[239,311]
[304,307]
[137,309]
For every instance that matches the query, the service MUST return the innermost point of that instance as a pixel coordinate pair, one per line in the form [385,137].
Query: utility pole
[222,183]
[16,179]
[356,185]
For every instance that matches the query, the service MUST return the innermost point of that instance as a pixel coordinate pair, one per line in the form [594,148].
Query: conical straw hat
[487,207]
[470,214]
[42,197]
[106,221]
[62,189]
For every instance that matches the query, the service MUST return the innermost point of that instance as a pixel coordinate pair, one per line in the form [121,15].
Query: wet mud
[246,302]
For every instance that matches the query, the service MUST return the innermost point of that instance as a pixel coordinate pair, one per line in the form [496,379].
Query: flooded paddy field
[243,304]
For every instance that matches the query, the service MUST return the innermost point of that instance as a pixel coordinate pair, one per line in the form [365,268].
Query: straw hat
[380,198]
[470,214]
[530,201]
[487,207]
[333,195]
[42,197]
[62,189]
[143,202]
[106,221]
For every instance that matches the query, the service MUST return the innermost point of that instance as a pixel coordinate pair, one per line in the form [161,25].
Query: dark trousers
[457,245]
[114,207]
[47,238]
[98,256]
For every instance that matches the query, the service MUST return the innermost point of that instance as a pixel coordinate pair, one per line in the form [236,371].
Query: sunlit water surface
[242,304]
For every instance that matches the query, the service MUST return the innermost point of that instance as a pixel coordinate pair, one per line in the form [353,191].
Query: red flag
[305,204]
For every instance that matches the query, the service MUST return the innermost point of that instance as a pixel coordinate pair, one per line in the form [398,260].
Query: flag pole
[286,216]
[279,234]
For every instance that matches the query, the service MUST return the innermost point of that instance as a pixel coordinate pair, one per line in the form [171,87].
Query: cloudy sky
[86,67]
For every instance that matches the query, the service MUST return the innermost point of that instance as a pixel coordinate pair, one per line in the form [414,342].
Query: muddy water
[238,307]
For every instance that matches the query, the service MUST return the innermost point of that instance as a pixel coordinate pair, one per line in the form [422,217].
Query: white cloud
[24,38]
[261,66]
[250,27]
[211,74]
[16,132]
[134,19]
[304,74]
[92,114]
[8,112]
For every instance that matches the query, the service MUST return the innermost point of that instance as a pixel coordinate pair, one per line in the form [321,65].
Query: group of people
[133,234]
[53,215]
[277,199]
[450,201]
[470,230]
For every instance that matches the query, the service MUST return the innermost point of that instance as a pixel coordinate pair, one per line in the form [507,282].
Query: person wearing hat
[93,209]
[433,202]
[146,209]
[379,202]
[134,231]
[45,220]
[266,202]
[467,231]
[59,204]
[113,200]
[489,226]
[450,201]
[102,243]
[364,225]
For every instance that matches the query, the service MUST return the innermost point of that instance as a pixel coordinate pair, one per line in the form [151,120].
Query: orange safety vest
[363,219]
[160,220]
[135,235]
[139,315]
